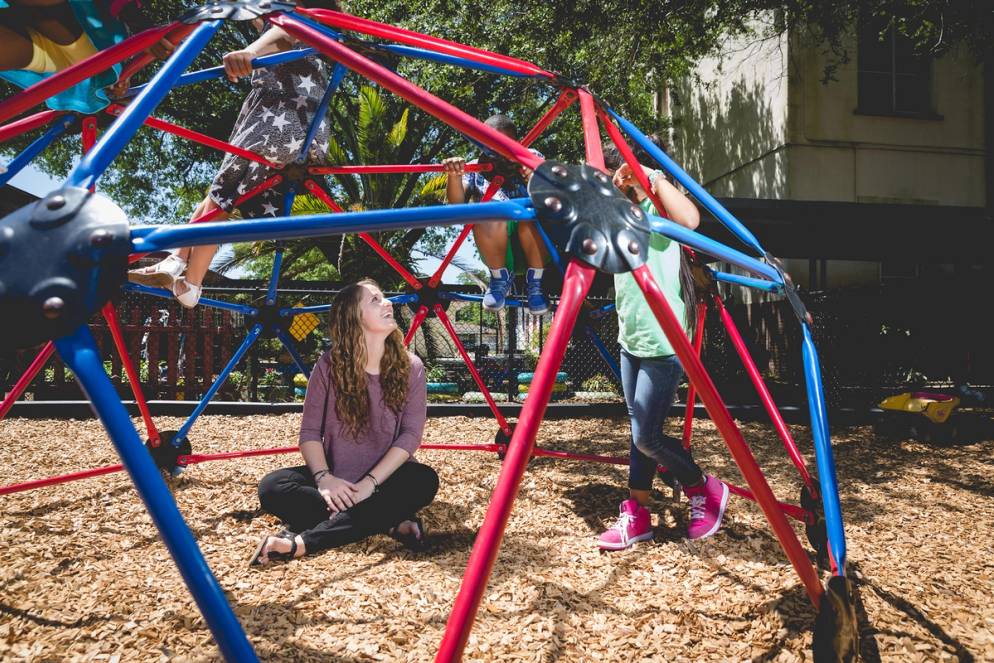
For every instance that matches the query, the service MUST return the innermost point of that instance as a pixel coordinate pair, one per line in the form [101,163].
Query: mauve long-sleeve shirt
[351,458]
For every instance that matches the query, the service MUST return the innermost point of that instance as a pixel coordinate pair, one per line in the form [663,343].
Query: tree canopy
[622,49]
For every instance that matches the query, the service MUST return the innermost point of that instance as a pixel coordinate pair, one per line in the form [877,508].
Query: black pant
[291,495]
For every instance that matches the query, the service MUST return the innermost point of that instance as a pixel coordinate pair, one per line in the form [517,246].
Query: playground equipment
[64,257]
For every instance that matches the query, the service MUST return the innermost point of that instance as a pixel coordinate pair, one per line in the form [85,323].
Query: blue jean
[650,387]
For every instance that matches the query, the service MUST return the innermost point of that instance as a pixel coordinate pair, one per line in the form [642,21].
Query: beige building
[882,172]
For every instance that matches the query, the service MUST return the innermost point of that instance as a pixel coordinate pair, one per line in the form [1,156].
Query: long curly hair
[348,362]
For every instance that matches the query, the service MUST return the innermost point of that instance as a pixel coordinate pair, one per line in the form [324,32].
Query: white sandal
[190,297]
[162,274]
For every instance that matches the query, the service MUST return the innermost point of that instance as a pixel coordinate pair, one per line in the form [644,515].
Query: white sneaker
[189,297]
[162,274]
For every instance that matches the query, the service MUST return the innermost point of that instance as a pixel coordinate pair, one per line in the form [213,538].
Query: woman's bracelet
[376,484]
[652,177]
[319,474]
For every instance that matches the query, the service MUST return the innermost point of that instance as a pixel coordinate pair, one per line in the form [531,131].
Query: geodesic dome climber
[64,258]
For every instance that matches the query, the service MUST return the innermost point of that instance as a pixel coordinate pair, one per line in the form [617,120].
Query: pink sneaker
[707,506]
[634,524]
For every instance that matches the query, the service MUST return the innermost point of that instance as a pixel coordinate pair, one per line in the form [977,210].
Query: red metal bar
[114,325]
[57,82]
[764,395]
[454,117]
[688,417]
[565,100]
[578,280]
[200,138]
[36,365]
[28,123]
[733,436]
[318,191]
[463,447]
[491,191]
[394,168]
[790,510]
[591,134]
[419,317]
[64,478]
[626,152]
[365,26]
[143,60]
[217,211]
[501,421]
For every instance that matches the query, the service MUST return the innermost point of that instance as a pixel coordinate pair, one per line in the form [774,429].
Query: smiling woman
[364,414]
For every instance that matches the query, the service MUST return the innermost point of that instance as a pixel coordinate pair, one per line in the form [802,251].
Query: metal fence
[872,342]
[180,352]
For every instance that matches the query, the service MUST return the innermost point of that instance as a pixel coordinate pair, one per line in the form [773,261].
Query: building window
[893,79]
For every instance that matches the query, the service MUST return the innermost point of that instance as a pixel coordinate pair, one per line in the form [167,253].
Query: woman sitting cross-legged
[364,414]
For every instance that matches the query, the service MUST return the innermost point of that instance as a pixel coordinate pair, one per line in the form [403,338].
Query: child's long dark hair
[688,287]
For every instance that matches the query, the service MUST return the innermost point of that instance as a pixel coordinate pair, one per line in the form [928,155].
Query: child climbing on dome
[651,372]
[41,37]
[273,123]
[364,414]
[493,239]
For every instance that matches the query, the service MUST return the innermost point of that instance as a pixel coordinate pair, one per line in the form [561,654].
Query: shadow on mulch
[45,621]
[867,631]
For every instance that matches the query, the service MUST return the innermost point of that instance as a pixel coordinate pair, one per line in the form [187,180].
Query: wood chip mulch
[85,576]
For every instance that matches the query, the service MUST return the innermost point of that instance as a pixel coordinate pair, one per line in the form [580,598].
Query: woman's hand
[339,494]
[364,488]
[238,64]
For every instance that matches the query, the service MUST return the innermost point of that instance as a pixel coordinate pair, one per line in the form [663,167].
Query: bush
[599,383]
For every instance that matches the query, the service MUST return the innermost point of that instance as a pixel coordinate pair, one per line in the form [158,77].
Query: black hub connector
[427,296]
[270,319]
[61,259]
[790,291]
[586,215]
[235,10]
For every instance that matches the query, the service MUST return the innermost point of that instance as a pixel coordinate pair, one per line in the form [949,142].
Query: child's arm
[239,63]
[455,193]
[680,208]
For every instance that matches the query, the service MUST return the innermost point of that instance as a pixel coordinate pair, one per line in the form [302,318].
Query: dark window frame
[918,78]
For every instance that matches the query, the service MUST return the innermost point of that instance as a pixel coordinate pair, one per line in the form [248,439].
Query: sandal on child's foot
[162,274]
[416,540]
[274,556]
[189,297]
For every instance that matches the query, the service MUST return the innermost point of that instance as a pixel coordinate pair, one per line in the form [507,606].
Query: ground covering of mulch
[84,575]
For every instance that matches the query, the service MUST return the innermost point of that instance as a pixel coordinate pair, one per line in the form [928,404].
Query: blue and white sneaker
[498,290]
[537,303]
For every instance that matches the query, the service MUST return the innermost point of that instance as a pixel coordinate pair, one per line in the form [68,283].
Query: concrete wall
[731,120]
[839,154]
[758,122]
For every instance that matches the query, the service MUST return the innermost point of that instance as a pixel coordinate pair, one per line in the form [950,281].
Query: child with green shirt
[651,372]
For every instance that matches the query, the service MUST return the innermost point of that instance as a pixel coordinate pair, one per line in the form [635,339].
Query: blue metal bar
[218,72]
[274,278]
[127,124]
[557,259]
[145,239]
[823,454]
[602,349]
[695,189]
[324,308]
[477,299]
[749,282]
[322,109]
[81,355]
[250,338]
[292,349]
[705,244]
[424,54]
[36,147]
[599,313]
[213,303]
